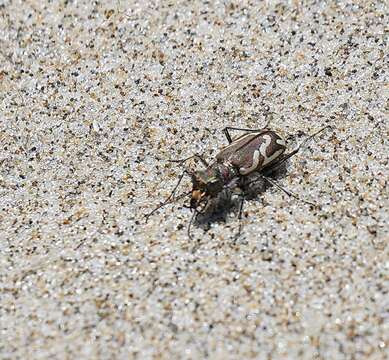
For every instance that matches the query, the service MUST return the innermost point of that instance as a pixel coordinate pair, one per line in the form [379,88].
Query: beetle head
[206,184]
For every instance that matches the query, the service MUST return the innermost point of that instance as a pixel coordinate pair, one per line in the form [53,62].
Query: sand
[95,97]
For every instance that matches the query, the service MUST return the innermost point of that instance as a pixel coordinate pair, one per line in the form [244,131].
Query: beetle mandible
[259,151]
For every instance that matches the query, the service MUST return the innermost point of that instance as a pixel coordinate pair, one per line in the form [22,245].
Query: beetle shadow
[219,209]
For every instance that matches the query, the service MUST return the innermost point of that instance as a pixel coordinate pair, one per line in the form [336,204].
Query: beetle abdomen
[254,151]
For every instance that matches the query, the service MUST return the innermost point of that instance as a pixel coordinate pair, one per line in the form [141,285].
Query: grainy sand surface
[96,96]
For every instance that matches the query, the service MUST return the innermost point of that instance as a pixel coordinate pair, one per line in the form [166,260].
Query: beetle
[256,151]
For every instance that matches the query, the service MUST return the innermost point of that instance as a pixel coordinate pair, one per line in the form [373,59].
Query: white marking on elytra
[245,171]
[262,151]
[272,157]
[265,145]
[281,142]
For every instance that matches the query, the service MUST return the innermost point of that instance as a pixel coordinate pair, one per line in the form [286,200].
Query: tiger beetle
[257,151]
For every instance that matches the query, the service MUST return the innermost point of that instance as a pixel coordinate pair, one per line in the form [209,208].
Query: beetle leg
[293,152]
[195,156]
[193,217]
[228,136]
[234,183]
[287,192]
[169,197]
[202,210]
[242,199]
[310,137]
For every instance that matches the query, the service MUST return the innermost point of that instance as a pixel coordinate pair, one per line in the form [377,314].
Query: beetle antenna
[166,202]
[195,156]
[169,197]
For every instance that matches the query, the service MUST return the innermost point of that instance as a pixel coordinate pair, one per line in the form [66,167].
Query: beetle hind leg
[310,137]
[287,192]
[268,170]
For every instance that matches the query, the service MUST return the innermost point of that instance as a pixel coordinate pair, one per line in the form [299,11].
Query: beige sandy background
[96,95]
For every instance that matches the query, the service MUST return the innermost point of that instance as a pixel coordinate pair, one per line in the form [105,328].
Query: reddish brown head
[207,183]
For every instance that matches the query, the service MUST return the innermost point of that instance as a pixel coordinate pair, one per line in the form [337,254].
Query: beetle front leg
[240,213]
[238,184]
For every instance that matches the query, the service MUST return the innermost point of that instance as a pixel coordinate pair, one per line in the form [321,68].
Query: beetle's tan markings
[281,142]
[245,171]
[274,156]
[262,151]
[263,147]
